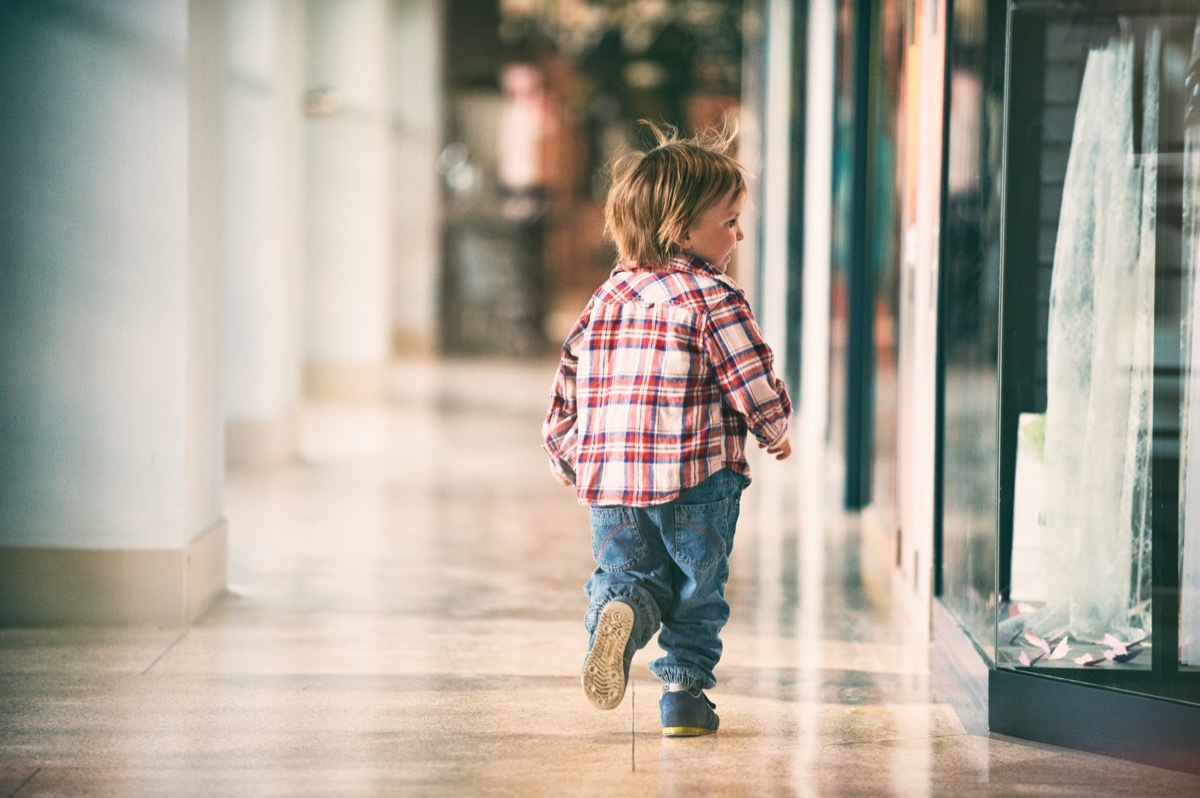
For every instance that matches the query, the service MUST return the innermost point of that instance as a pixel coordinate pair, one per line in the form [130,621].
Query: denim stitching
[717,546]
[637,548]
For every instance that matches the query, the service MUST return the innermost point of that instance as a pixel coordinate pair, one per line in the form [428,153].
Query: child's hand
[781,450]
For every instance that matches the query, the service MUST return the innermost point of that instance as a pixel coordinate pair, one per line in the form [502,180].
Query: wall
[111,186]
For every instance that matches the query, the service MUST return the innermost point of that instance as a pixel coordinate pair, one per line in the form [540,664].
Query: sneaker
[606,668]
[687,713]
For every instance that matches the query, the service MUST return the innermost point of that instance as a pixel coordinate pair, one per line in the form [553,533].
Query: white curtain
[1100,355]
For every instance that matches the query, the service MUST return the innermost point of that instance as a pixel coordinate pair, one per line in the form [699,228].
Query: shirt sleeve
[744,368]
[560,431]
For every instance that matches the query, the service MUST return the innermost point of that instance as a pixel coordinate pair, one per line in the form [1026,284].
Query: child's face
[715,233]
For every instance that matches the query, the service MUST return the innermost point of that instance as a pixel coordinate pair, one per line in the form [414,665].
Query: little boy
[659,381]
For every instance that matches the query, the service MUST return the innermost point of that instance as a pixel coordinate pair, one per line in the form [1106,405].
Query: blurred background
[217,212]
[220,212]
[223,222]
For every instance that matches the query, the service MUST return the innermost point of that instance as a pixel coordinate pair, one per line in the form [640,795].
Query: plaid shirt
[659,381]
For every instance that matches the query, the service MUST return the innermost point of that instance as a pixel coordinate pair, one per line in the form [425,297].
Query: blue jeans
[670,562]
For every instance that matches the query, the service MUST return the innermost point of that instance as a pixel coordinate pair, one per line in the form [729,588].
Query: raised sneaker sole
[686,731]
[604,669]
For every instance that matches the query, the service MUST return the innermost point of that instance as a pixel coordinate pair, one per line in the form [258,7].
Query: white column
[263,333]
[818,224]
[416,56]
[111,185]
[776,177]
[349,244]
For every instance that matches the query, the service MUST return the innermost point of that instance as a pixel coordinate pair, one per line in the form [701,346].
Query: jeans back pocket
[616,541]
[700,533]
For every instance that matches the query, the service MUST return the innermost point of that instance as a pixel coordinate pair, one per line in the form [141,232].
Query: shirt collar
[678,263]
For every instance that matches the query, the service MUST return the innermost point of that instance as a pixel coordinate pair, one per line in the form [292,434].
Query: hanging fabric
[1100,356]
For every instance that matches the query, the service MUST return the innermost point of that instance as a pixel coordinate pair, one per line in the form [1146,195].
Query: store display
[1098,545]
[1100,355]
[1028,581]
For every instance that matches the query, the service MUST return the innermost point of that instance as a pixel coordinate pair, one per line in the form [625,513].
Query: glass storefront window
[1100,241]
[968,309]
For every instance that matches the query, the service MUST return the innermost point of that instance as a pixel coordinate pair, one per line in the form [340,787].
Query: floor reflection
[406,615]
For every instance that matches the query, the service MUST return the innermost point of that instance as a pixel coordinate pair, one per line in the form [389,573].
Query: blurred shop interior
[541,97]
[972,240]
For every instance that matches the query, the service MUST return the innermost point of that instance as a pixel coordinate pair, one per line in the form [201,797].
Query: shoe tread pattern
[604,669]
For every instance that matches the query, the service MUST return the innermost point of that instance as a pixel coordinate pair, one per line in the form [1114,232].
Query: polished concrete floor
[404,618]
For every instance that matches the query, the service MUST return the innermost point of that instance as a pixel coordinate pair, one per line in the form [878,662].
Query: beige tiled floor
[405,619]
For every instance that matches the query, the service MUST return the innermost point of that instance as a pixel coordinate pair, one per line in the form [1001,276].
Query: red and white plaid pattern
[659,381]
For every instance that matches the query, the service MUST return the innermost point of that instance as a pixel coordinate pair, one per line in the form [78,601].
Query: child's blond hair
[658,195]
